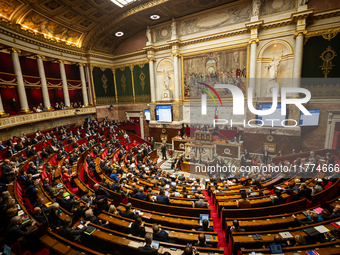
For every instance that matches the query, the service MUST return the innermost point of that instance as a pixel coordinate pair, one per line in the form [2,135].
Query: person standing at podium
[164,150]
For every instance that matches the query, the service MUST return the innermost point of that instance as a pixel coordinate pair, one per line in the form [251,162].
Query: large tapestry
[103,85]
[124,85]
[209,68]
[321,59]
[141,82]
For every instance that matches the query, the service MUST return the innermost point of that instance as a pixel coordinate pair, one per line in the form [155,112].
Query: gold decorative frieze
[11,121]
[298,33]
[327,34]
[324,91]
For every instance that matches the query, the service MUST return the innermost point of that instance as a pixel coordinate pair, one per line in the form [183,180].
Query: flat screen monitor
[163,113]
[276,115]
[310,120]
[147,114]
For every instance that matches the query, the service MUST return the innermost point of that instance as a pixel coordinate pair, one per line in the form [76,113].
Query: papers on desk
[21,212]
[130,225]
[173,183]
[80,226]
[321,229]
[176,194]
[35,175]
[208,238]
[154,197]
[318,210]
[167,186]
[60,185]
[286,234]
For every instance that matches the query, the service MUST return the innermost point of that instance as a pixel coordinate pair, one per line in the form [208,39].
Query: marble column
[152,80]
[21,85]
[88,78]
[2,112]
[64,82]
[44,89]
[298,55]
[83,84]
[252,66]
[176,77]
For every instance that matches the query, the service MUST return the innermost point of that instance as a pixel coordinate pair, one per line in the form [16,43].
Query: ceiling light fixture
[119,34]
[122,3]
[154,16]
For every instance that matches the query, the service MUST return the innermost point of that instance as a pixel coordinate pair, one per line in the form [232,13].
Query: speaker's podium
[203,135]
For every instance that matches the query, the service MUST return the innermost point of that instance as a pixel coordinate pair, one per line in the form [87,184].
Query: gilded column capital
[81,64]
[14,50]
[175,55]
[39,56]
[151,59]
[301,32]
[255,40]
[60,61]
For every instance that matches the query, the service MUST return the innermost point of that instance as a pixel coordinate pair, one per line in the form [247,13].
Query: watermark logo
[238,99]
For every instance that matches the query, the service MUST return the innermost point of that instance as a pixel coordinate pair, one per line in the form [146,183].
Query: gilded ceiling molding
[124,15]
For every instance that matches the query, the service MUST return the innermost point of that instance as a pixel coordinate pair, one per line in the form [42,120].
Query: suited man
[147,249]
[92,166]
[6,172]
[74,235]
[10,152]
[162,198]
[32,169]
[32,191]
[2,146]
[105,184]
[164,151]
[53,216]
[89,216]
[246,154]
[159,234]
[101,197]
[16,230]
[201,242]
[265,156]
[200,203]
[304,192]
[205,226]
[152,141]
[139,157]
[236,227]
[140,194]
[128,213]
[39,216]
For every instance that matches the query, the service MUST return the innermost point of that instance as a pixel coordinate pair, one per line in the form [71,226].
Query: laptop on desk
[275,249]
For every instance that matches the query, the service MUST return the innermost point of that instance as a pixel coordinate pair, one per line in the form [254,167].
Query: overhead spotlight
[119,34]
[155,16]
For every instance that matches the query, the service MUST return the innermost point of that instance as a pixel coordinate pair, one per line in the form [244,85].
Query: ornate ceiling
[92,24]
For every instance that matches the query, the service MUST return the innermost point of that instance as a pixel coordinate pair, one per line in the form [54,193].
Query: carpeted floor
[217,225]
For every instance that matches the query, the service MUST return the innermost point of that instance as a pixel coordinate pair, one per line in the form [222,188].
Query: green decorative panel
[141,83]
[321,57]
[124,85]
[103,85]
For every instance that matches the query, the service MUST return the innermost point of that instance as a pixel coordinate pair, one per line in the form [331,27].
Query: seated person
[202,242]
[200,203]
[278,199]
[159,234]
[336,211]
[205,226]
[74,235]
[243,202]
[89,216]
[190,250]
[137,227]
[300,240]
[128,213]
[236,227]
[313,219]
[162,198]
[147,249]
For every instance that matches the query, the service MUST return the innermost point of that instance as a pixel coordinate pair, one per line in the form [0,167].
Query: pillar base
[26,111]
[4,114]
[50,109]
